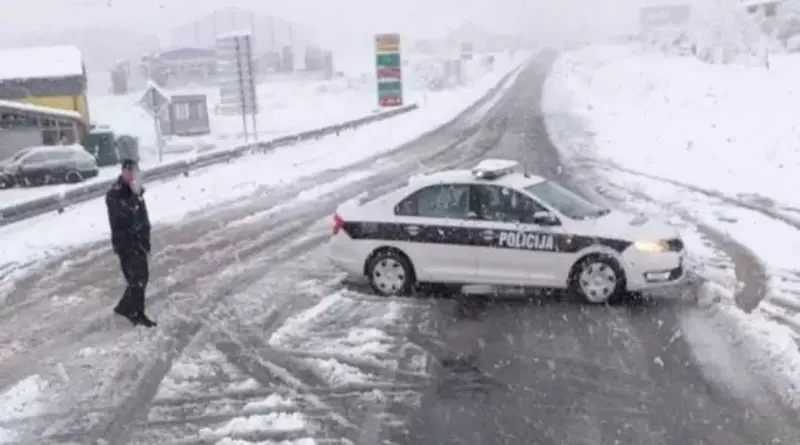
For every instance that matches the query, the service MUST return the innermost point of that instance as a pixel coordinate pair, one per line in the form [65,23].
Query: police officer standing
[130,237]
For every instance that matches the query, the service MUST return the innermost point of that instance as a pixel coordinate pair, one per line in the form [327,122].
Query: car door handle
[488,234]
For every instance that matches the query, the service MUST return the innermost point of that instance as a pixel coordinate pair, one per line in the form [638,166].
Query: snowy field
[170,201]
[710,145]
[288,107]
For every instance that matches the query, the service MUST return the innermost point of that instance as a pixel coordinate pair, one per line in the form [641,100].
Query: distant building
[45,76]
[180,66]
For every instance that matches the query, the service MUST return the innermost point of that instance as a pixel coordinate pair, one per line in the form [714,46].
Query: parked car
[8,171]
[48,165]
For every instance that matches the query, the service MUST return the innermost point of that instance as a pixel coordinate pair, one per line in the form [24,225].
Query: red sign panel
[389,73]
[391,101]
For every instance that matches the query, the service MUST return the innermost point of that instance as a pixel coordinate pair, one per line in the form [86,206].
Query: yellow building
[53,77]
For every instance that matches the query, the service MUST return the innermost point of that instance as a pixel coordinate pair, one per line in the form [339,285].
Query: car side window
[437,201]
[34,158]
[56,155]
[503,204]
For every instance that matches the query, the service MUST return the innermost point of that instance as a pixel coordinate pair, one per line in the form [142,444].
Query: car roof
[73,148]
[512,180]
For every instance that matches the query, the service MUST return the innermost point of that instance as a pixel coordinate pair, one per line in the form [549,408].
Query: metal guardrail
[57,202]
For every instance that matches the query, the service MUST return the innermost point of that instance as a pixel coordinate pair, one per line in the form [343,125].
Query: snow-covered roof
[234,33]
[748,3]
[42,62]
[185,53]
[55,112]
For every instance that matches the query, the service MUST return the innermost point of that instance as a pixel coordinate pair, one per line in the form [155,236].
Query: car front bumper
[646,271]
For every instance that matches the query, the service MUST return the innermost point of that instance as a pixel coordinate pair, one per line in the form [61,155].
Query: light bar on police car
[494,168]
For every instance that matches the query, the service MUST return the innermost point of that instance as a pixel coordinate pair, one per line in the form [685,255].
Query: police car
[495,225]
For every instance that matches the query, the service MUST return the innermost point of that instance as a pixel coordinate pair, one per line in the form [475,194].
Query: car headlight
[652,246]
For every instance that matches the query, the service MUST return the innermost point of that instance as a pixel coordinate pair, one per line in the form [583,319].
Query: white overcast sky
[420,18]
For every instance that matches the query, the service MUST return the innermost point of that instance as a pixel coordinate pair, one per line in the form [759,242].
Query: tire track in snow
[116,429]
[219,250]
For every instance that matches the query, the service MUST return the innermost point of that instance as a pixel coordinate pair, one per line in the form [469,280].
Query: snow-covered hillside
[712,146]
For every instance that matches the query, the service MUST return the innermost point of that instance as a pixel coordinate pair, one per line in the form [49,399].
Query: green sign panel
[390,94]
[390,87]
[390,60]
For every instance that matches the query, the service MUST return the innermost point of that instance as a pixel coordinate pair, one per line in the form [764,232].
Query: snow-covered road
[261,341]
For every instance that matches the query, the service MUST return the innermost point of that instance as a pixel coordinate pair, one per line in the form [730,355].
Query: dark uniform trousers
[136,271]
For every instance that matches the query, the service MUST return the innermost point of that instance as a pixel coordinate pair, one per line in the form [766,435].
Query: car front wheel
[390,273]
[598,279]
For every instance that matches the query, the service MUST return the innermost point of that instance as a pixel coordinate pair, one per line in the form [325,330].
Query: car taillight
[338,224]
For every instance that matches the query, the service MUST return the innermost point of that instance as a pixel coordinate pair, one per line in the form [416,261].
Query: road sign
[388,60]
[154,99]
[237,79]
[391,101]
[389,43]
[389,72]
[390,93]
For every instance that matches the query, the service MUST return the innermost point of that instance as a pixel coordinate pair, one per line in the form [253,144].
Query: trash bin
[100,143]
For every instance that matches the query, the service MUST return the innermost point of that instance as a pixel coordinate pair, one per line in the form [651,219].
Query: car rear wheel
[390,273]
[73,177]
[598,279]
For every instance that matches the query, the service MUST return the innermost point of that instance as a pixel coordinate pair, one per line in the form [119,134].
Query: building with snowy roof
[42,97]
[52,76]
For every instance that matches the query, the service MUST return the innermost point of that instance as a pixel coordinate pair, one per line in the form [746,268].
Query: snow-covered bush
[787,21]
[717,31]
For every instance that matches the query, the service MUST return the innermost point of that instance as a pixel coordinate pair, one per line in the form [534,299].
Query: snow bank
[717,126]
[18,402]
[713,144]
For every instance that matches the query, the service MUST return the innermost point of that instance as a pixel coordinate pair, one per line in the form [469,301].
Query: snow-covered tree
[723,31]
[787,20]
[717,31]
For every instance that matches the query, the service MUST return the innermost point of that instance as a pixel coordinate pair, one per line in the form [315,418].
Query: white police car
[494,225]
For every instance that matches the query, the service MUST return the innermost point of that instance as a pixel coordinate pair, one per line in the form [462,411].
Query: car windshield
[18,155]
[564,201]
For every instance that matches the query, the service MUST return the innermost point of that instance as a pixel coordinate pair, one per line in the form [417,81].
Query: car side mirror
[545,219]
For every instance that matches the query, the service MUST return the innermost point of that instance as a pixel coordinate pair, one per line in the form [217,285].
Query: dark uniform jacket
[127,215]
